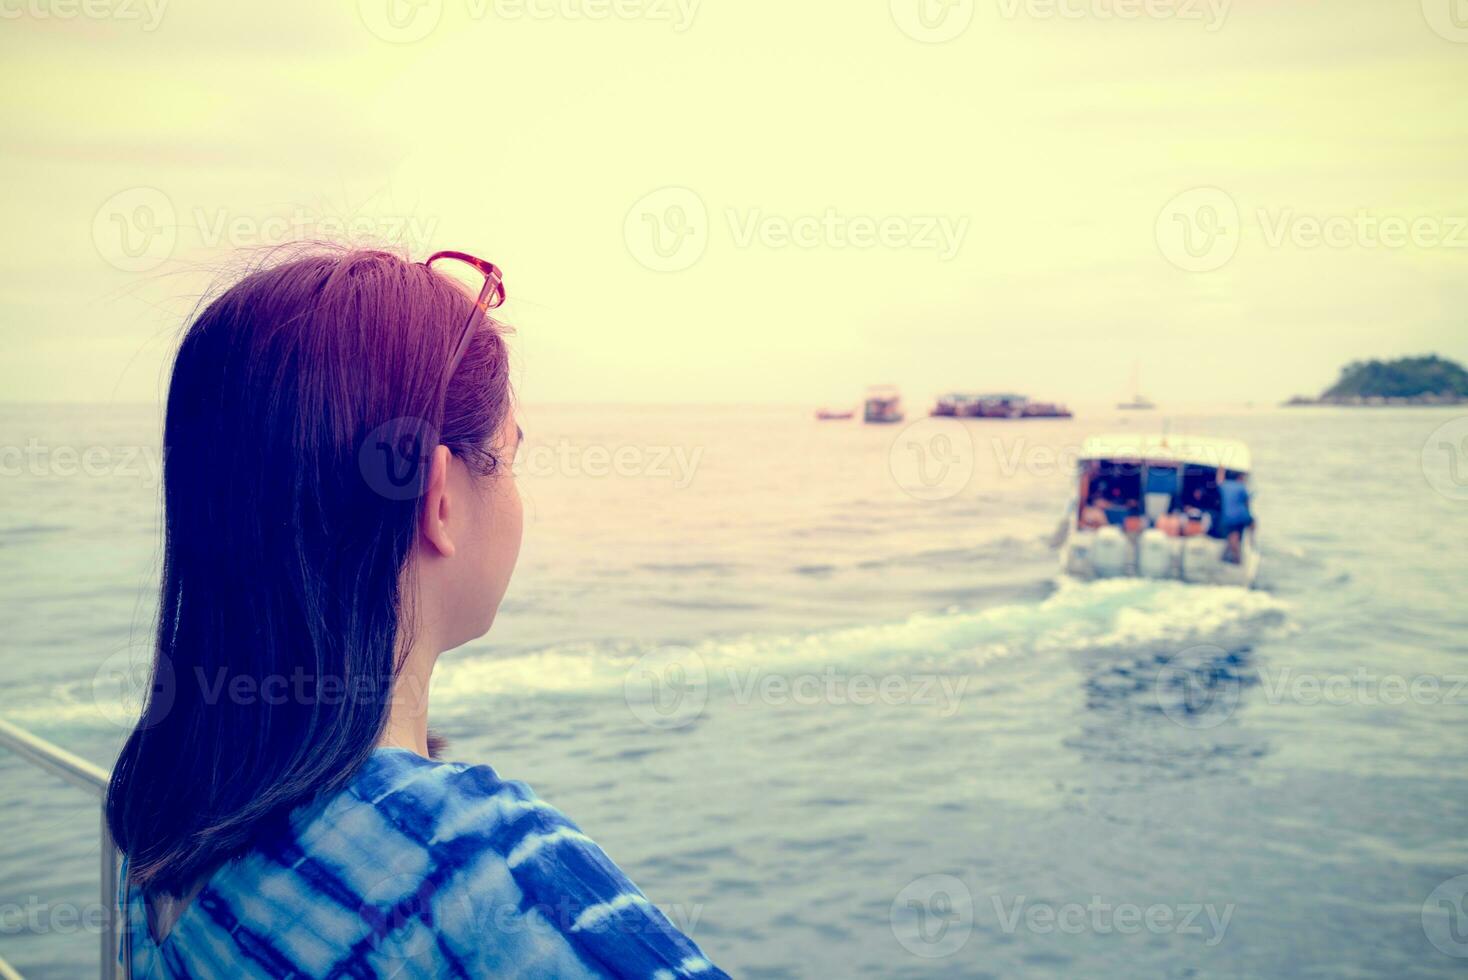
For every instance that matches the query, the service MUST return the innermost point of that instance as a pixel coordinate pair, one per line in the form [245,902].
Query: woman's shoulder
[506,861]
[439,801]
[459,815]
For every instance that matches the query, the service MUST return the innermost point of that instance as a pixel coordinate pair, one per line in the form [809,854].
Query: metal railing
[78,772]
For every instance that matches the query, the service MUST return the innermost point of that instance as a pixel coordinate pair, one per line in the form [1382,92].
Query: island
[1428,380]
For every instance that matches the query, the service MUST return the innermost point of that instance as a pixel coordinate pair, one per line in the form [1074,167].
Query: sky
[762,201]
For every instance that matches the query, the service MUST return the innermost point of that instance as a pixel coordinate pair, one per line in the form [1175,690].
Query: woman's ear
[434,521]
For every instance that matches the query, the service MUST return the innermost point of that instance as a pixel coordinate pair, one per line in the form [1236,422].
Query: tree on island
[1429,378]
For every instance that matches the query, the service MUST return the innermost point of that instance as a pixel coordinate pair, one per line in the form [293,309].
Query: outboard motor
[1111,555]
[1078,554]
[1203,559]
[1158,555]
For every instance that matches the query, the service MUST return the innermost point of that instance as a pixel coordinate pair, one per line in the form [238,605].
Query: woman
[340,510]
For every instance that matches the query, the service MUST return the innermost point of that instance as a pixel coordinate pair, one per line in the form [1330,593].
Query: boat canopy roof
[1231,454]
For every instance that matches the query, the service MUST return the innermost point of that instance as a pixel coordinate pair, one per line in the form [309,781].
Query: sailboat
[1139,402]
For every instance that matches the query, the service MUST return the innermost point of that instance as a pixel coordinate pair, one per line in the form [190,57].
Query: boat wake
[1132,615]
[1135,616]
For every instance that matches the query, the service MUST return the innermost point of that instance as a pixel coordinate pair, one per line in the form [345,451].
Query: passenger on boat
[1116,505]
[1234,514]
[1201,511]
[1092,513]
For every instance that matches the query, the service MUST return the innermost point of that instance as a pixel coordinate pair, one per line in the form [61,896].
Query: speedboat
[1150,507]
[883,405]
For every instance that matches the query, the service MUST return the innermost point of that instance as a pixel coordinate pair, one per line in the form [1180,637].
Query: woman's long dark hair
[298,398]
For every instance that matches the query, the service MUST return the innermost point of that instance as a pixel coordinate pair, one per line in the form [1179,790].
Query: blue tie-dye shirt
[418,869]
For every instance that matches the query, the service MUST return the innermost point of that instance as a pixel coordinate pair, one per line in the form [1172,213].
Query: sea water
[819,689]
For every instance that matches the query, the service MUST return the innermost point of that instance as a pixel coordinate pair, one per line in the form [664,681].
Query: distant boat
[1002,406]
[834,415]
[956,405]
[1046,410]
[998,406]
[883,405]
[1139,402]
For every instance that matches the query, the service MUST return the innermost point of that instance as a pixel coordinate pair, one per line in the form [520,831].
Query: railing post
[79,772]
[111,914]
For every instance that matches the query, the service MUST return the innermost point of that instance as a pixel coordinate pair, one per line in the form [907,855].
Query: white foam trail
[1129,613]
[1077,617]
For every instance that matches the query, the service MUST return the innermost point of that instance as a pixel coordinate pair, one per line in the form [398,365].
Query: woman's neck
[407,719]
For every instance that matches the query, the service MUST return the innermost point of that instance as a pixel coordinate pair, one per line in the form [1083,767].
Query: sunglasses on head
[491,295]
